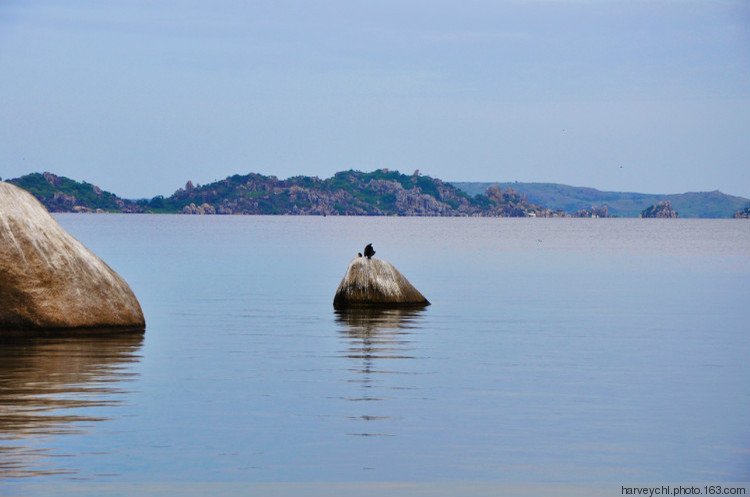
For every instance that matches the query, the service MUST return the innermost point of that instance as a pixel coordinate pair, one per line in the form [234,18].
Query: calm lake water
[573,350]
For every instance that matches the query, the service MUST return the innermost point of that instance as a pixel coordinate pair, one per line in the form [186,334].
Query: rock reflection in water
[50,387]
[379,340]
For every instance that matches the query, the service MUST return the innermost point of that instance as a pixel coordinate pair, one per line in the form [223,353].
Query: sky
[140,96]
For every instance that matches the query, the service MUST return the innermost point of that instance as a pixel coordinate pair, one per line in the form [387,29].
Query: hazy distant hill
[624,204]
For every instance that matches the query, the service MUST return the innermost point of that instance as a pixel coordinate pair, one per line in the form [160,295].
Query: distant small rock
[49,280]
[592,212]
[375,283]
[660,210]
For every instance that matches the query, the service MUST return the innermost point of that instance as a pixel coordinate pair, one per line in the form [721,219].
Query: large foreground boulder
[375,283]
[48,279]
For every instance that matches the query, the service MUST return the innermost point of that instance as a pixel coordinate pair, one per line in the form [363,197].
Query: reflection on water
[52,386]
[378,340]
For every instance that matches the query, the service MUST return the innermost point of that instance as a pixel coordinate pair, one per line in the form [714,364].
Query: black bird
[369,251]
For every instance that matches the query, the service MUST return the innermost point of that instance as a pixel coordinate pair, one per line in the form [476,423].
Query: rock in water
[375,283]
[660,210]
[48,279]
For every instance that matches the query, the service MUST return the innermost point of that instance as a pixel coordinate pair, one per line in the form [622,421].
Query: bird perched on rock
[369,251]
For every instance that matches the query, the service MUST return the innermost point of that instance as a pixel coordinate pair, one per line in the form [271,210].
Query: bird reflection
[380,340]
[50,386]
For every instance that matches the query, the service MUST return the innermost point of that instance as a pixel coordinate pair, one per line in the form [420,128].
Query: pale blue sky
[140,96]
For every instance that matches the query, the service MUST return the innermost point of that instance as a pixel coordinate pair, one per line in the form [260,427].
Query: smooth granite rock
[375,283]
[48,279]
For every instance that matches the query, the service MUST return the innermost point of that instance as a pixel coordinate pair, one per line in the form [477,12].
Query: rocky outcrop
[743,214]
[201,209]
[660,210]
[592,212]
[375,283]
[48,279]
[409,202]
[510,203]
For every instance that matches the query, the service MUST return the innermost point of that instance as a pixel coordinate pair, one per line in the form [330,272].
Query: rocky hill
[571,199]
[347,193]
[60,194]
[377,193]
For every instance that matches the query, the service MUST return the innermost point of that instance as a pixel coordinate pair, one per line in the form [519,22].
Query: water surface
[554,350]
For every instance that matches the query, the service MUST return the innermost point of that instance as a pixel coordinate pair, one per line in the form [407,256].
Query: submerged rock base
[376,283]
[49,280]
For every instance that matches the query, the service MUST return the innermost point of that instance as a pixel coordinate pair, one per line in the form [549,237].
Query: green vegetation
[60,194]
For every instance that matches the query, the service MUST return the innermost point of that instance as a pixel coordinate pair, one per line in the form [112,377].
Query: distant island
[620,204]
[347,193]
[378,193]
